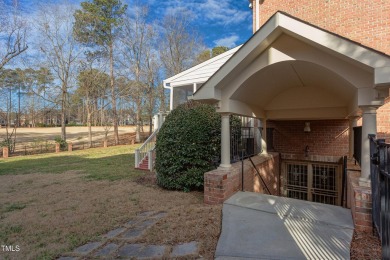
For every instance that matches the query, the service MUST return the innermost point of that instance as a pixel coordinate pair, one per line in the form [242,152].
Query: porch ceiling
[296,85]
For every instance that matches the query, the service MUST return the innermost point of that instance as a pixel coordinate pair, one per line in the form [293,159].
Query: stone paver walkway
[120,243]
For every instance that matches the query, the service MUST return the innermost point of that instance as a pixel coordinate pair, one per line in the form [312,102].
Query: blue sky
[227,23]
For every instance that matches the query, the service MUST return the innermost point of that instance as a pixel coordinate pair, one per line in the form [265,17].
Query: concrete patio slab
[107,250]
[114,233]
[268,227]
[190,248]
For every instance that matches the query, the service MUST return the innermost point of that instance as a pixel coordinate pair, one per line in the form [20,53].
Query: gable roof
[201,72]
[282,23]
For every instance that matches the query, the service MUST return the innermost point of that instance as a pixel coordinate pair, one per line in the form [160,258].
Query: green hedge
[188,142]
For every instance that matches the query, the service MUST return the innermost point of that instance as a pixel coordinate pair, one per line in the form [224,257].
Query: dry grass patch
[50,214]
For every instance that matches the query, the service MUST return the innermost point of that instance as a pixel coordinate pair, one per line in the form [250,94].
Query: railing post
[5,152]
[151,160]
[137,155]
[242,169]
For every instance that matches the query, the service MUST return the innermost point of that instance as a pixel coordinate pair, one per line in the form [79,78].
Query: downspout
[256,13]
[168,86]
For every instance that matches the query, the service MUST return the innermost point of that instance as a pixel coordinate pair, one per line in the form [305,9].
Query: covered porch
[307,88]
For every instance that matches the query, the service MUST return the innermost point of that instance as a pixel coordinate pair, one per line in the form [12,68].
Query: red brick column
[57,148]
[360,201]
[70,147]
[219,185]
[5,152]
[105,144]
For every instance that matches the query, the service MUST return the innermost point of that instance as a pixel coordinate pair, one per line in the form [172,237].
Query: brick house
[312,71]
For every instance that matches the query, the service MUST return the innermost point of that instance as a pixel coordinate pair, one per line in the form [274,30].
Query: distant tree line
[99,64]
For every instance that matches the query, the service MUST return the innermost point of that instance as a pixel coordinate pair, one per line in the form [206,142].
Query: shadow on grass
[95,166]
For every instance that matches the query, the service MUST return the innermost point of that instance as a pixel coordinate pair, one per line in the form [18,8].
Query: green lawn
[112,163]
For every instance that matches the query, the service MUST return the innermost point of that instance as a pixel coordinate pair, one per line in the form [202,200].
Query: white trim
[190,76]
[382,76]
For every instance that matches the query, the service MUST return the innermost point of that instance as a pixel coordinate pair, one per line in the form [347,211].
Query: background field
[38,140]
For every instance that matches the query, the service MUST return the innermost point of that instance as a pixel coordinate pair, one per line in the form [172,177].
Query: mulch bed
[365,245]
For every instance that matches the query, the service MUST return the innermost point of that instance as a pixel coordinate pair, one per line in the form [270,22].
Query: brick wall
[363,21]
[383,121]
[219,184]
[269,171]
[327,137]
[360,202]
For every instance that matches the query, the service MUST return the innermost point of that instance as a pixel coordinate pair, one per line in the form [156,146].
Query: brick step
[143,168]
[144,165]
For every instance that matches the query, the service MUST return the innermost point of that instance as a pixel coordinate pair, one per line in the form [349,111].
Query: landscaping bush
[62,142]
[188,142]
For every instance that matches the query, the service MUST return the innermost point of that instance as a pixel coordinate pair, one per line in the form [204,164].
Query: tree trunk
[150,124]
[113,96]
[63,125]
[89,128]
[138,119]
[19,107]
[162,99]
[9,112]
[102,122]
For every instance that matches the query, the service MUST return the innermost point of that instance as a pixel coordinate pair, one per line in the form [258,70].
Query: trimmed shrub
[62,142]
[188,142]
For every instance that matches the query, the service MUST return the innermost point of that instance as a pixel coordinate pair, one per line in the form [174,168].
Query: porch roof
[290,69]
[201,72]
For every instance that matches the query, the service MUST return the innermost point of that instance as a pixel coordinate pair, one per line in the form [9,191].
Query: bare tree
[137,35]
[13,31]
[152,77]
[55,25]
[179,43]
[91,81]
[179,46]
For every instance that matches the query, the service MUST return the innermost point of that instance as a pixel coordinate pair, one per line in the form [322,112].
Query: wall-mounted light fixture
[307,127]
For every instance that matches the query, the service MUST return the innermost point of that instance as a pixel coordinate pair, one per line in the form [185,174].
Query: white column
[352,124]
[156,123]
[258,140]
[368,127]
[171,99]
[225,141]
[263,125]
[194,88]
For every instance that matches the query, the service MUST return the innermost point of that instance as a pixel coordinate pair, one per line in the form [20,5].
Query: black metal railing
[357,143]
[380,184]
[242,138]
[344,182]
[263,183]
